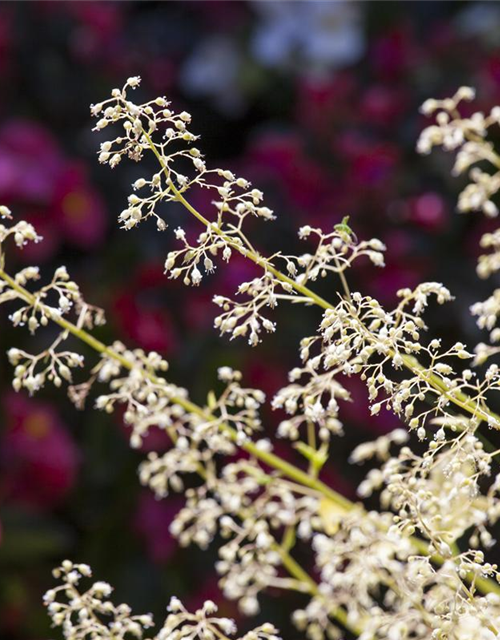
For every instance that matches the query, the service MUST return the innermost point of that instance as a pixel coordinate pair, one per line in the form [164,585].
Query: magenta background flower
[78,209]
[52,191]
[30,161]
[140,315]
[39,459]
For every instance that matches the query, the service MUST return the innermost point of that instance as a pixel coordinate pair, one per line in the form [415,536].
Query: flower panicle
[414,568]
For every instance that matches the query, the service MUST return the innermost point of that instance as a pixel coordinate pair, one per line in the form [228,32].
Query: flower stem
[295,570]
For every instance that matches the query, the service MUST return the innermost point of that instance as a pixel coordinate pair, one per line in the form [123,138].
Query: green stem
[295,570]
[252,255]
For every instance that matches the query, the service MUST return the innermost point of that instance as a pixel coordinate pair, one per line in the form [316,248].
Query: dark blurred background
[315,102]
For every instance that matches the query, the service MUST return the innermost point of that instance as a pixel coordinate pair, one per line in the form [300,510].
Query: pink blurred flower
[395,52]
[373,163]
[283,157]
[30,161]
[78,209]
[105,20]
[270,374]
[40,183]
[38,252]
[39,459]
[151,329]
[142,318]
[382,105]
[324,101]
[429,211]
[98,27]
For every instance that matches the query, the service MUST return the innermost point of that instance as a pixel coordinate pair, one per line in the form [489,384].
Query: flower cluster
[84,615]
[223,234]
[60,298]
[334,253]
[389,591]
[414,569]
[471,138]
[138,122]
[358,336]
[22,231]
[250,509]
